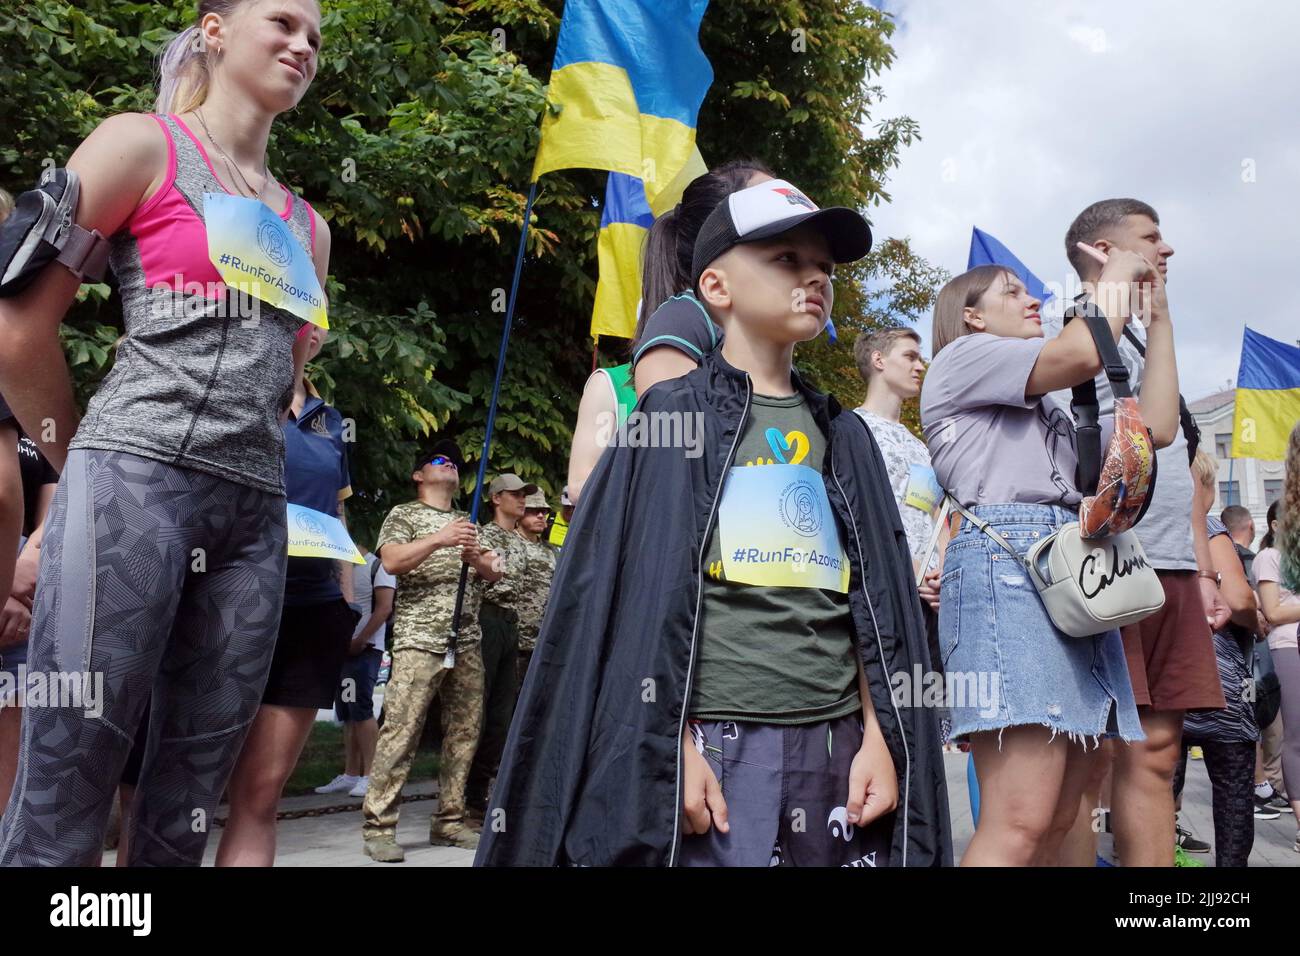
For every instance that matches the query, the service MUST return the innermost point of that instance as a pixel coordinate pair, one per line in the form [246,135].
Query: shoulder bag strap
[984,527]
[1084,405]
[939,522]
[1191,430]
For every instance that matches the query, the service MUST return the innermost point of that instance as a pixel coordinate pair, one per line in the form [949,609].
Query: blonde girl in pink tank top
[162,568]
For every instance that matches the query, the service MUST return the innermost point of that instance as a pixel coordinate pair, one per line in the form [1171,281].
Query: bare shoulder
[120,164]
[322,224]
[125,137]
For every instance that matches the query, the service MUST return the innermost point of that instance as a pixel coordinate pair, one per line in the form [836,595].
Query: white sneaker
[363,784]
[340,784]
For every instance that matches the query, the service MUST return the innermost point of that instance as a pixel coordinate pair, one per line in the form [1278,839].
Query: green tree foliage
[416,142]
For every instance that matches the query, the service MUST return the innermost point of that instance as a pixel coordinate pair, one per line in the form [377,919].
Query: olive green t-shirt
[782,651]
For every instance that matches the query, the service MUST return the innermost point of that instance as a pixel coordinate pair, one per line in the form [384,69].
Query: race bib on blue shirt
[316,535]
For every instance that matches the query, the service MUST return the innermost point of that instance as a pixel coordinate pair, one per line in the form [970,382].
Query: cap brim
[846,232]
[529,489]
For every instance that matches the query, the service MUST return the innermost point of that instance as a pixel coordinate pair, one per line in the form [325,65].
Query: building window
[1229,493]
[1223,446]
[1272,490]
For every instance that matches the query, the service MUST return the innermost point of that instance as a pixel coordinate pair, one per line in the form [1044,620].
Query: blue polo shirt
[315,476]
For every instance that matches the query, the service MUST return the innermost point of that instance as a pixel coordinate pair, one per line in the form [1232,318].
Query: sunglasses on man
[437,460]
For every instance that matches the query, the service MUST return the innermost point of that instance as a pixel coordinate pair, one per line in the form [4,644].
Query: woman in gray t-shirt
[1029,698]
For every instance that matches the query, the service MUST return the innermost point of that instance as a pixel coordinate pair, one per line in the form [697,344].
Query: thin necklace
[232,167]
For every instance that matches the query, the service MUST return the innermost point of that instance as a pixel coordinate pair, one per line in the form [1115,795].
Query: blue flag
[987,251]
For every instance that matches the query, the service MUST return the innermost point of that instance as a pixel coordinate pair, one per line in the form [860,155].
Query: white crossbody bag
[1088,586]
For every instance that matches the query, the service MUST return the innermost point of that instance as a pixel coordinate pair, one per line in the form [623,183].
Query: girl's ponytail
[182,73]
[1269,537]
[666,268]
[184,66]
[660,273]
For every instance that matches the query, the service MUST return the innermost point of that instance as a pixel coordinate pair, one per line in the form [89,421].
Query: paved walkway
[1274,839]
[334,839]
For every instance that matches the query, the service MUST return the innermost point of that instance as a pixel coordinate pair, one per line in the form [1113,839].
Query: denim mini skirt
[1005,663]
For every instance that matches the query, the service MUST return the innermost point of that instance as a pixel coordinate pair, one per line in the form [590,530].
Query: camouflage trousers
[416,677]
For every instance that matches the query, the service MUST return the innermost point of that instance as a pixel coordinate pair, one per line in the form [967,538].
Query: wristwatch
[1214,576]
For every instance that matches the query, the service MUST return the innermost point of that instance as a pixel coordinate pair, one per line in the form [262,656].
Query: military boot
[384,849]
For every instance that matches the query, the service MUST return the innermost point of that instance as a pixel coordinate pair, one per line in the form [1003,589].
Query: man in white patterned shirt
[889,361]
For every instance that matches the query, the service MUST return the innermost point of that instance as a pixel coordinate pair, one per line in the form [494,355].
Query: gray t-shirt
[1166,529]
[988,443]
[363,591]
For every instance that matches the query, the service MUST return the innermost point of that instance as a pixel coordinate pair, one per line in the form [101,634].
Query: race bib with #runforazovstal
[923,491]
[313,534]
[255,252]
[777,529]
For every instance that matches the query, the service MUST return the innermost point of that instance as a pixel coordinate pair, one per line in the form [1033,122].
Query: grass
[322,761]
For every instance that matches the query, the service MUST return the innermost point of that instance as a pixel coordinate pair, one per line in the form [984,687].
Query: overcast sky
[1029,111]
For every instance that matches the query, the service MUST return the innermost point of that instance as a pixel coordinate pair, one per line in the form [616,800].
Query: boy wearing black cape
[724,672]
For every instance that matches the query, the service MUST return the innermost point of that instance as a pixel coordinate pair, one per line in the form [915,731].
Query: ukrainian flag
[1268,397]
[624,225]
[626,86]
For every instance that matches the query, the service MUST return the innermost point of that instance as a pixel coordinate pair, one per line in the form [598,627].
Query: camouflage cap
[537,500]
[509,481]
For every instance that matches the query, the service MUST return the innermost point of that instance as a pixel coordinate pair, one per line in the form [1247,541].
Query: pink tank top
[196,382]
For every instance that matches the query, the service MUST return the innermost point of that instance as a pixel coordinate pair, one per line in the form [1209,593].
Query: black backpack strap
[1135,341]
[1084,405]
[1191,430]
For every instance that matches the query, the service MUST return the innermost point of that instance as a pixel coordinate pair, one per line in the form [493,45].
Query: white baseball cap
[770,209]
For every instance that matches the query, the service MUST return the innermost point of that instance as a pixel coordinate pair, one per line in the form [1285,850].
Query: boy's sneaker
[363,784]
[1181,858]
[1264,810]
[384,849]
[460,835]
[1184,840]
[340,784]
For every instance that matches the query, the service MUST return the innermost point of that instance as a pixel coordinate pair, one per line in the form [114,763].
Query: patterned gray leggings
[154,579]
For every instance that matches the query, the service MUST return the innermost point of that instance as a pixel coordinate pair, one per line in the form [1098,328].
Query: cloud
[1030,111]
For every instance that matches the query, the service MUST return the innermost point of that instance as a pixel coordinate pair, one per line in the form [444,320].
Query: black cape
[590,771]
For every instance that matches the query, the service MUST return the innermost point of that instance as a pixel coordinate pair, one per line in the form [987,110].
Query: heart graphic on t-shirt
[790,448]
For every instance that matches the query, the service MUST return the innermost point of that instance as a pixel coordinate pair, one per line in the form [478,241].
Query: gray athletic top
[202,373]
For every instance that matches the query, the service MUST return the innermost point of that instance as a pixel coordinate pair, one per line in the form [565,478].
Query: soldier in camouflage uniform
[534,585]
[424,543]
[498,619]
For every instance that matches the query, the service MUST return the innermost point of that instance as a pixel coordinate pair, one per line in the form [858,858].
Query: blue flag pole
[449,659]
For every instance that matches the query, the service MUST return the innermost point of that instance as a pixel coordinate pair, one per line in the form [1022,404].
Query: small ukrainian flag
[1268,397]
